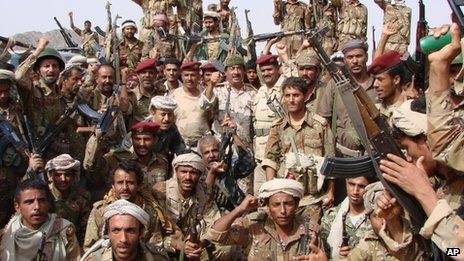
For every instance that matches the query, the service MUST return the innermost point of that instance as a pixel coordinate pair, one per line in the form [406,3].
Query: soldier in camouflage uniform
[190,204]
[151,8]
[89,39]
[391,236]
[141,96]
[292,15]
[71,202]
[276,234]
[346,221]
[12,164]
[263,116]
[127,183]
[224,12]
[125,224]
[295,146]
[156,46]
[395,11]
[41,99]
[130,48]
[352,21]
[214,50]
[154,166]
[190,14]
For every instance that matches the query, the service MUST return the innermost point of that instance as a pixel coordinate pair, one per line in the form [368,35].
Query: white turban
[189,159]
[63,162]
[274,186]
[163,103]
[77,59]
[128,23]
[410,122]
[7,75]
[372,192]
[211,14]
[124,207]
[93,60]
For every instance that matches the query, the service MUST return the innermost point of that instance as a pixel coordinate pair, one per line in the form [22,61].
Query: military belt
[262,132]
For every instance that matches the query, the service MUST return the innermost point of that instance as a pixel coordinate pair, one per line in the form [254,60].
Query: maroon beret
[192,66]
[146,64]
[267,59]
[144,127]
[208,66]
[384,62]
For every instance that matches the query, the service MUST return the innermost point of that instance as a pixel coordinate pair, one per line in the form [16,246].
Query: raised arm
[71,24]
[388,30]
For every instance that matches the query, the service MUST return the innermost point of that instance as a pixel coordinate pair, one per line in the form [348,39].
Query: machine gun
[370,125]
[8,137]
[66,35]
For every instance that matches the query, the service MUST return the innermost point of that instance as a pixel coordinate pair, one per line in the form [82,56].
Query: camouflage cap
[305,59]
[234,59]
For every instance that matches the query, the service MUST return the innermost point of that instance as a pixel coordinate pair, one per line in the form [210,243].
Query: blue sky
[37,15]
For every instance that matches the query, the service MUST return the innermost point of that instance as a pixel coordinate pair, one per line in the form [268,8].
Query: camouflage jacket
[75,208]
[355,232]
[259,239]
[130,53]
[381,247]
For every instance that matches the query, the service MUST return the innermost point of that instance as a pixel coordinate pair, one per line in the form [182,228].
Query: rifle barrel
[16,43]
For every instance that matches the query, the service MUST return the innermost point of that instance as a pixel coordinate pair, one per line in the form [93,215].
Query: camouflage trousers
[312,212]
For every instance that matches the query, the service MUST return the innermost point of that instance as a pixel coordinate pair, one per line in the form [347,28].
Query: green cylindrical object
[430,44]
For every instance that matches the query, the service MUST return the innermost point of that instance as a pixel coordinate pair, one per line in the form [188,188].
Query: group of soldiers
[174,149]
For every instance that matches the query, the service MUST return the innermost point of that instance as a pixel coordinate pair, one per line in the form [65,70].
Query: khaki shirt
[263,116]
[331,101]
[444,227]
[259,238]
[182,210]
[445,135]
[399,14]
[74,207]
[313,137]
[387,110]
[161,231]
[191,119]
[240,108]
[89,39]
[146,252]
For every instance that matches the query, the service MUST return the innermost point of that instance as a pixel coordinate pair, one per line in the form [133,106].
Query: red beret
[190,66]
[208,66]
[144,127]
[267,59]
[146,64]
[384,62]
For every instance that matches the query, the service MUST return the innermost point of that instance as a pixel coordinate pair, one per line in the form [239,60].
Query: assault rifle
[33,146]
[370,125]
[252,43]
[9,137]
[193,38]
[269,36]
[66,35]
[420,57]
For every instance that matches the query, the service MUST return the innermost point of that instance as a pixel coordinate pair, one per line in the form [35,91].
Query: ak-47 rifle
[8,137]
[374,45]
[269,36]
[420,57]
[192,229]
[193,38]
[66,36]
[251,44]
[33,148]
[109,32]
[370,125]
